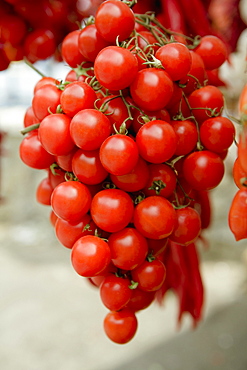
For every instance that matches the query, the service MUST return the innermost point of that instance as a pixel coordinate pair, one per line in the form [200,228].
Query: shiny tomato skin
[176,59]
[33,154]
[120,326]
[156,141]
[90,255]
[162,173]
[135,180]
[110,14]
[87,167]
[115,292]
[71,200]
[187,135]
[128,248]
[76,96]
[212,50]
[89,128]
[210,99]
[115,68]
[44,191]
[140,300]
[188,226]
[217,134]
[70,51]
[203,170]
[45,100]
[39,44]
[151,89]
[90,42]
[112,209]
[54,134]
[119,154]
[149,275]
[198,72]
[154,217]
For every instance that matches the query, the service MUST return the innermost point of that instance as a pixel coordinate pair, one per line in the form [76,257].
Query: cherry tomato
[45,81]
[65,161]
[149,275]
[196,75]
[46,100]
[90,255]
[71,200]
[176,59]
[110,14]
[54,134]
[115,292]
[29,117]
[44,191]
[76,96]
[68,233]
[212,50]
[187,136]
[119,154]
[70,51]
[157,83]
[39,44]
[149,217]
[162,180]
[87,167]
[206,102]
[188,226]
[13,29]
[156,141]
[90,42]
[140,300]
[89,128]
[115,68]
[135,180]
[112,209]
[120,326]
[128,248]
[217,134]
[33,154]
[203,170]
[237,217]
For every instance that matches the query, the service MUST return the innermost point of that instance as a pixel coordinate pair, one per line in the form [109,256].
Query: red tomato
[196,75]
[206,102]
[90,42]
[90,255]
[187,136]
[89,128]
[119,154]
[30,118]
[87,167]
[68,233]
[176,59]
[71,200]
[115,68]
[217,134]
[162,180]
[70,51]
[135,180]
[149,275]
[44,191]
[46,100]
[109,16]
[128,248]
[76,96]
[188,226]
[45,81]
[156,141]
[140,300]
[212,50]
[151,89]
[65,161]
[115,292]
[237,217]
[112,209]
[13,29]
[33,154]
[54,134]
[149,217]
[203,170]
[120,326]
[39,44]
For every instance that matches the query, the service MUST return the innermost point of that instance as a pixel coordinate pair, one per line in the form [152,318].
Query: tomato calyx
[157,186]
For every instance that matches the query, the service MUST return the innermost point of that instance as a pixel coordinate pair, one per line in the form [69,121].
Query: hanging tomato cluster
[132,142]
[238,210]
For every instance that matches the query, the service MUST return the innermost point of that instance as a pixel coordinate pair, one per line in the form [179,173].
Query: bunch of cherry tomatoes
[132,141]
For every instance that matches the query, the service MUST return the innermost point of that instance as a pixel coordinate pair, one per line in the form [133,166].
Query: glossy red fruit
[120,326]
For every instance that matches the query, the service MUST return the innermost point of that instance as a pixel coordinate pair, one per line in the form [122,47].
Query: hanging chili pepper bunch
[237,216]
[132,141]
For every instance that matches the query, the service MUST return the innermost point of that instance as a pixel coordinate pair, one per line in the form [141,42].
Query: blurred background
[51,318]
